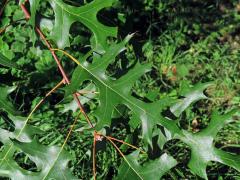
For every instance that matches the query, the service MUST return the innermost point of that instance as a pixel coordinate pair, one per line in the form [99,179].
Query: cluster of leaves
[155,121]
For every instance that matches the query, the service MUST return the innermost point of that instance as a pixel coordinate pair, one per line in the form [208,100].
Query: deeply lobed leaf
[151,170]
[118,91]
[49,160]
[66,15]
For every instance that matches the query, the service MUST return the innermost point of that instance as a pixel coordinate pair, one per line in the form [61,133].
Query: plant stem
[94,155]
[67,81]
[132,146]
[126,160]
[4,28]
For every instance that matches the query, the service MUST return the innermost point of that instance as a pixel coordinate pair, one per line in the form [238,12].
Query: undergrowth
[162,103]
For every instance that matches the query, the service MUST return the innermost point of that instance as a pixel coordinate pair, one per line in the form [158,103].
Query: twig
[123,142]
[40,102]
[65,141]
[94,156]
[126,160]
[99,135]
[67,81]
[4,28]
[30,115]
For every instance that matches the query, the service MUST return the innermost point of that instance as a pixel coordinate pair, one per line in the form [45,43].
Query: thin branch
[124,157]
[94,156]
[14,22]
[30,115]
[65,142]
[40,102]
[123,142]
[67,81]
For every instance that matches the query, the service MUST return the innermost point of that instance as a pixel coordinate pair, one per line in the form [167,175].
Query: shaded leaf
[33,7]
[7,163]
[4,102]
[4,61]
[24,135]
[52,162]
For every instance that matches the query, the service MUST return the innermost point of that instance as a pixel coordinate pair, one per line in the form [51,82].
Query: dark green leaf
[155,169]
[66,15]
[4,102]
[192,95]
[202,147]
[52,162]
[114,92]
[4,61]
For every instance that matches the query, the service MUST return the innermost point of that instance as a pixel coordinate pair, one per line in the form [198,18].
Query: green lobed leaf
[118,91]
[24,135]
[153,169]
[113,92]
[51,162]
[202,147]
[66,15]
[192,95]
[7,163]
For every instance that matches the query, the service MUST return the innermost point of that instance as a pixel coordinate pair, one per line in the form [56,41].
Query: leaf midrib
[106,85]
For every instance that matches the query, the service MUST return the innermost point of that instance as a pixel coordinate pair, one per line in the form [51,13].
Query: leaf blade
[4,61]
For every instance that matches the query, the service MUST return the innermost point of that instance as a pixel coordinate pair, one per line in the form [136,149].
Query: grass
[184,47]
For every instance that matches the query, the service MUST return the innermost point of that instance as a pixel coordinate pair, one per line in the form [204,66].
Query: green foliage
[190,95]
[118,91]
[202,147]
[66,15]
[6,62]
[47,159]
[53,162]
[151,170]
[149,93]
[4,102]
[115,92]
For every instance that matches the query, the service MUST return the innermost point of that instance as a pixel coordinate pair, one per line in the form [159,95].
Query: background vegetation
[186,42]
